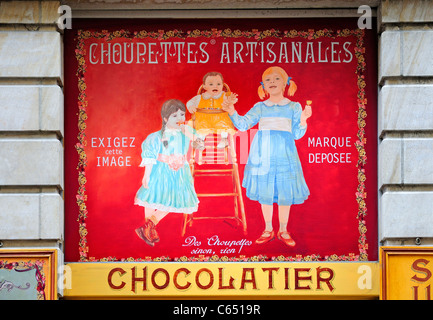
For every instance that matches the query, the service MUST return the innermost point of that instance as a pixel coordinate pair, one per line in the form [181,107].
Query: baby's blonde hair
[292,86]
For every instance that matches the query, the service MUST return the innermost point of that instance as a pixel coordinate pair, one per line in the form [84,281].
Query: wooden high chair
[208,158]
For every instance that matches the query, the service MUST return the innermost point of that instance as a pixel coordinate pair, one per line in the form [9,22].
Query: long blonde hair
[291,88]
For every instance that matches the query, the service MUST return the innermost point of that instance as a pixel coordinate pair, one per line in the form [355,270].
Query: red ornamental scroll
[125,75]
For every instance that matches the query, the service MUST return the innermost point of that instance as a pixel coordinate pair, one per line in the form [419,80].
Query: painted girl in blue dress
[167,184]
[273,173]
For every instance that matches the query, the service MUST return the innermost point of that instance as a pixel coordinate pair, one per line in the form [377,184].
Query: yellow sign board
[222,280]
[406,273]
[28,274]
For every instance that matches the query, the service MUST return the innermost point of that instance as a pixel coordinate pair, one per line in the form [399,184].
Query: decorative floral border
[255,34]
[27,266]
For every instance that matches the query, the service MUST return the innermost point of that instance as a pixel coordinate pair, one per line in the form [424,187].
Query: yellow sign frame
[406,273]
[256,280]
[44,260]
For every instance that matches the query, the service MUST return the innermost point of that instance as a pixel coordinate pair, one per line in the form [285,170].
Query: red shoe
[266,237]
[288,241]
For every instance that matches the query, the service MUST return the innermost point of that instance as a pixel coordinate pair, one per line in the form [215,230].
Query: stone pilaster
[405,121]
[31,125]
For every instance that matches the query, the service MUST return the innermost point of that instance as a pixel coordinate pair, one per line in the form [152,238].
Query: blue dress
[273,173]
[170,186]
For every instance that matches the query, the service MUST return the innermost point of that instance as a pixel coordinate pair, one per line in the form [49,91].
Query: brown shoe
[288,241]
[140,233]
[148,230]
[144,232]
[266,237]
[154,234]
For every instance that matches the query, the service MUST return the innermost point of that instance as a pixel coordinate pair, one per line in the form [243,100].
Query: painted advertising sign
[223,280]
[28,274]
[252,140]
[406,273]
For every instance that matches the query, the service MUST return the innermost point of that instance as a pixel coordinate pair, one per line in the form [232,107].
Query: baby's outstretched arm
[228,103]
[232,98]
[192,104]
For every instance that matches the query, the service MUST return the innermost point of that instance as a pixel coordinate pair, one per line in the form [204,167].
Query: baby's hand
[192,109]
[232,98]
[228,103]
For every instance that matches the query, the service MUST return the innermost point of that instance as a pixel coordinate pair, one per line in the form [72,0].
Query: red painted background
[124,100]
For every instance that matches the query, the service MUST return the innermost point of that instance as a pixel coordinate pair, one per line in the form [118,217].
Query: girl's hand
[146,176]
[182,128]
[228,103]
[306,113]
[145,181]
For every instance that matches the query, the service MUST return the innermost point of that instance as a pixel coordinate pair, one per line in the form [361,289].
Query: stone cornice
[216,4]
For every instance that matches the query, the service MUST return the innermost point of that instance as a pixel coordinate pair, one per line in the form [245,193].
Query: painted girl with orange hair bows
[273,173]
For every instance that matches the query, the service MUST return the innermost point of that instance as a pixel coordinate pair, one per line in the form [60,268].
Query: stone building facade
[32,107]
